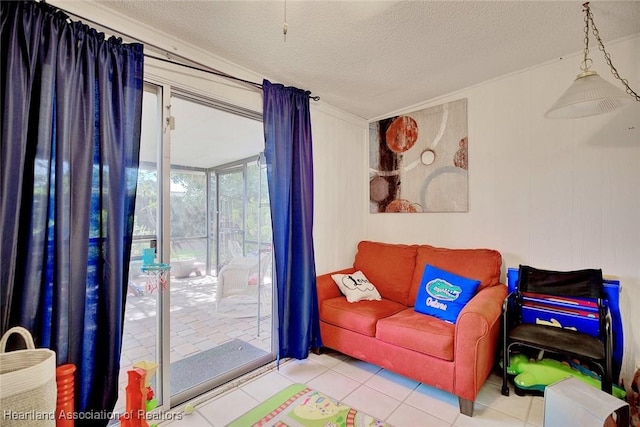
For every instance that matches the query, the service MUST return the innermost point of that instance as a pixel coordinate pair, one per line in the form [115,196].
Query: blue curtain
[288,152]
[71,113]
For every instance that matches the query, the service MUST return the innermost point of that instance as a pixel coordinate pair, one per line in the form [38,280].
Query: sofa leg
[466,406]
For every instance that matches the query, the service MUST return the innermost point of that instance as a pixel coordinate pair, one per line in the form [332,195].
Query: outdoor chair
[243,280]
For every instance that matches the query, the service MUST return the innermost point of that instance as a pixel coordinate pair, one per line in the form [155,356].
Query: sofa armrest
[327,288]
[476,340]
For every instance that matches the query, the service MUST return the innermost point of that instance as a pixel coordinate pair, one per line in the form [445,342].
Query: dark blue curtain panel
[71,113]
[289,155]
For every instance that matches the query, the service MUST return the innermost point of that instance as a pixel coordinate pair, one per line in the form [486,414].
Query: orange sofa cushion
[477,264]
[425,334]
[360,316]
[390,267]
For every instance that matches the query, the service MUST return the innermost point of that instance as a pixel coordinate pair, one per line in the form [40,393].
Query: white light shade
[589,95]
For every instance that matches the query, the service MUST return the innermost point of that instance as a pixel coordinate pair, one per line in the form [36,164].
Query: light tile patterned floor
[398,400]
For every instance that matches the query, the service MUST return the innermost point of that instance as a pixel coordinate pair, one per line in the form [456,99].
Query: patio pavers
[195,324]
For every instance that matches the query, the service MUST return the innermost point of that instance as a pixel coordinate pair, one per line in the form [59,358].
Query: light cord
[285,26]
[596,33]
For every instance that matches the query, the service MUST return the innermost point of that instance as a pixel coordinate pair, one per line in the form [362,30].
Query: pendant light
[590,94]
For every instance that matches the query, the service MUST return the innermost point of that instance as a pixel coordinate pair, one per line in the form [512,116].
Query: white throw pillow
[356,287]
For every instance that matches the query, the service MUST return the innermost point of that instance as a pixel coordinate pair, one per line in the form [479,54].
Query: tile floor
[395,399]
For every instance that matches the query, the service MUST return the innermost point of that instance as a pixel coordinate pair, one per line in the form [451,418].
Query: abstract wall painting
[418,162]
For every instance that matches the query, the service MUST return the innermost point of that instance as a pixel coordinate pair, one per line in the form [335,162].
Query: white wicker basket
[27,384]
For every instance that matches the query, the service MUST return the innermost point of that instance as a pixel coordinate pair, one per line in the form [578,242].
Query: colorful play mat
[298,405]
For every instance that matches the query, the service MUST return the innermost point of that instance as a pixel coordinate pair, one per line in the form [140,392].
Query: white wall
[557,194]
[339,193]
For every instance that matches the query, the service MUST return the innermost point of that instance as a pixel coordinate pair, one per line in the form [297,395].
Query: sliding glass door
[215,330]
[202,202]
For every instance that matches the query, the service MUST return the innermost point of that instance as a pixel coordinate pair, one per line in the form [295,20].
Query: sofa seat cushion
[415,331]
[360,317]
[389,267]
[478,264]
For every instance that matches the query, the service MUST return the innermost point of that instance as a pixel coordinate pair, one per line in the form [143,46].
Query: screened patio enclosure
[216,214]
[202,202]
[217,185]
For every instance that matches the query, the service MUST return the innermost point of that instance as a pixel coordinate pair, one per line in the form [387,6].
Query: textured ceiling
[371,58]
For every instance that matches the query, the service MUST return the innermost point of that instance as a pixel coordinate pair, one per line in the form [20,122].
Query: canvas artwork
[419,161]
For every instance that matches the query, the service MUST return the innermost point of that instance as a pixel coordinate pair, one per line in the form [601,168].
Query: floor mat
[203,366]
[298,405]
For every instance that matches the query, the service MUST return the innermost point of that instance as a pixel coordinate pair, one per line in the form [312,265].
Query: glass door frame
[162,379]
[164,242]
[164,91]
[170,90]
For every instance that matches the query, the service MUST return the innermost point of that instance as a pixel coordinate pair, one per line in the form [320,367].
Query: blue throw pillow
[443,294]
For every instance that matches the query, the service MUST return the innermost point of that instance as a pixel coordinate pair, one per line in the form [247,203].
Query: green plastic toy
[535,375]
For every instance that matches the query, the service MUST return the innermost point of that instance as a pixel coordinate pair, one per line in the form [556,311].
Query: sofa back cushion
[478,264]
[390,267]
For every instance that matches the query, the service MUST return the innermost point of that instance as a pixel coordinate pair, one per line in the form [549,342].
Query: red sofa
[453,357]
